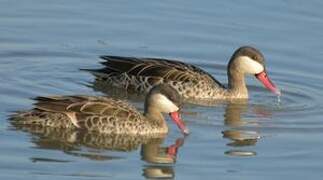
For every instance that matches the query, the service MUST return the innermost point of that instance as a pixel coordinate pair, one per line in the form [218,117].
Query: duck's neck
[156,119]
[236,84]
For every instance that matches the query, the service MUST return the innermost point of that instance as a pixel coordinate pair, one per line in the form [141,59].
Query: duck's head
[248,60]
[163,98]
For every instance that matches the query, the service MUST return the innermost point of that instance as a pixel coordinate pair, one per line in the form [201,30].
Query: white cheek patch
[165,105]
[249,65]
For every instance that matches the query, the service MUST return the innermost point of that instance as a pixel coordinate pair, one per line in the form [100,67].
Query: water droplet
[278,99]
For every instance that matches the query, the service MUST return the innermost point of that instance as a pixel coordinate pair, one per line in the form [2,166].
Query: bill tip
[186,131]
[278,92]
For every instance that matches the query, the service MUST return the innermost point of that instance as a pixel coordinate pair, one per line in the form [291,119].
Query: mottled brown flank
[99,114]
[41,118]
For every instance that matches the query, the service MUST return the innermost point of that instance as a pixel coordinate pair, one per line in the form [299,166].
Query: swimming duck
[140,74]
[107,115]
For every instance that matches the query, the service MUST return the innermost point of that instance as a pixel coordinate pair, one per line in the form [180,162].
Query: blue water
[43,44]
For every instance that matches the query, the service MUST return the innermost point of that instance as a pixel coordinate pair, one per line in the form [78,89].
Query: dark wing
[172,70]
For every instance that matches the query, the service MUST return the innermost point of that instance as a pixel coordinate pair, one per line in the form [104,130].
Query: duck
[107,115]
[141,74]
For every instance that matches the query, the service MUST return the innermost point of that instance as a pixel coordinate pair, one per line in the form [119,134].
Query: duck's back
[101,114]
[141,74]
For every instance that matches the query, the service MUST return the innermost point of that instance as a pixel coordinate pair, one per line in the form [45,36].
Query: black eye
[172,98]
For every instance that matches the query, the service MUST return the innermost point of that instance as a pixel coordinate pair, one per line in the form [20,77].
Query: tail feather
[40,118]
[27,118]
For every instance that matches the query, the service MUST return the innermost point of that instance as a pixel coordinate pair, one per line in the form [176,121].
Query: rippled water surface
[43,44]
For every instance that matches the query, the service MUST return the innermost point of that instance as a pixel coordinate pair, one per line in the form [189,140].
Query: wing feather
[169,70]
[89,105]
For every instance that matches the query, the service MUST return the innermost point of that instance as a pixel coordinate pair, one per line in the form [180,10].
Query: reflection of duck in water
[140,74]
[72,142]
[155,154]
[107,115]
[237,129]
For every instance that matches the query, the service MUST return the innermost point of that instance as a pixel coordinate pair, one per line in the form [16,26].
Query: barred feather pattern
[97,114]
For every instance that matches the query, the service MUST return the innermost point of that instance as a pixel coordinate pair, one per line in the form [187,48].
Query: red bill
[179,122]
[267,83]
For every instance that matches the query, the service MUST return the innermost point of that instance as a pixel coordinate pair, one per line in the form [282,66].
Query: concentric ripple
[299,97]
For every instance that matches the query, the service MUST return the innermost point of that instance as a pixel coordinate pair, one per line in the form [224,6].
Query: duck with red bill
[200,86]
[179,122]
[263,77]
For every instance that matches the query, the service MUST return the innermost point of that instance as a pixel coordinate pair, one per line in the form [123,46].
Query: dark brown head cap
[169,92]
[251,52]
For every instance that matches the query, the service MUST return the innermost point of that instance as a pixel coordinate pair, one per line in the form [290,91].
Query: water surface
[43,44]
